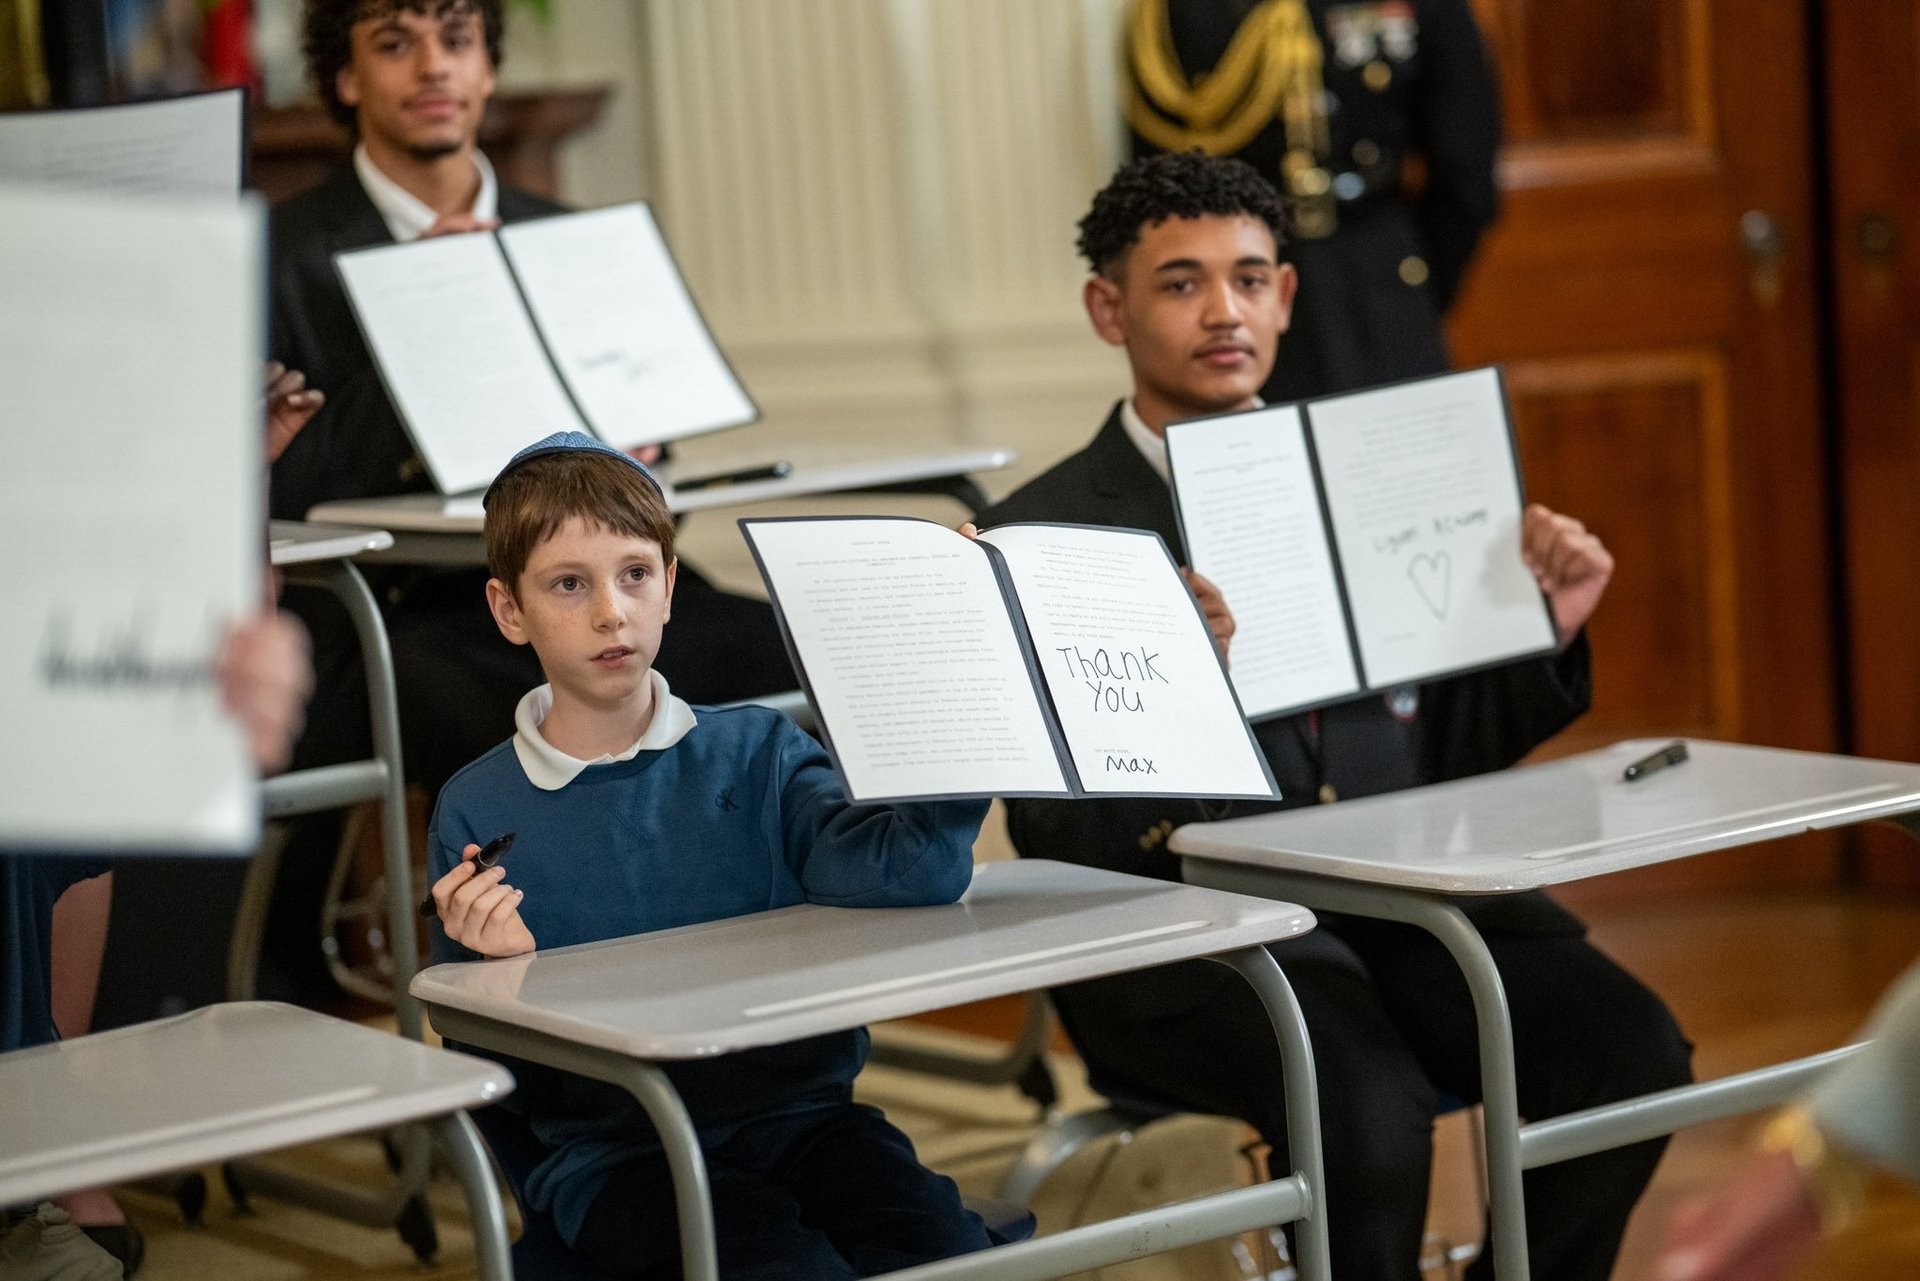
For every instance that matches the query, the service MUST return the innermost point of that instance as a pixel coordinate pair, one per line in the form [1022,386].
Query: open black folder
[1362,541]
[1037,660]
[579,322]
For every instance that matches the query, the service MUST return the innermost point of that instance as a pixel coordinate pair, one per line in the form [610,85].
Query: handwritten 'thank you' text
[1116,679]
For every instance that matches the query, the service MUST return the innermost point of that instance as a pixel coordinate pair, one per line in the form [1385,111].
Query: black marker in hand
[489,856]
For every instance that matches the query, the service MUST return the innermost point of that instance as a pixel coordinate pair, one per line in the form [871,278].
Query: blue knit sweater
[743,814]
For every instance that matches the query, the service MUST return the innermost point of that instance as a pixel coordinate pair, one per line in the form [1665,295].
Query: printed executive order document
[194,145]
[1037,660]
[1362,541]
[578,322]
[131,511]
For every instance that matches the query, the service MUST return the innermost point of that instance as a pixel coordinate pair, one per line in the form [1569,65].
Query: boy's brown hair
[533,499]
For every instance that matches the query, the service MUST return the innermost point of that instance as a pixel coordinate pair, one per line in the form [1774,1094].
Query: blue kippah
[568,442]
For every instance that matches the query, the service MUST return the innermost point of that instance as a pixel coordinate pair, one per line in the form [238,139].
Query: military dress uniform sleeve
[1455,124]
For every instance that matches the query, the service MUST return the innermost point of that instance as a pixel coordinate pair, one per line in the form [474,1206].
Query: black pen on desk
[1672,754]
[771,471]
[489,856]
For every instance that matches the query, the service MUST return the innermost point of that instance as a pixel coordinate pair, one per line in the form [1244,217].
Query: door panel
[1650,291]
[1654,425]
[1873,57]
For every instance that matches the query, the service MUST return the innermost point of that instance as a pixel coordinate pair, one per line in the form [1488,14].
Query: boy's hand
[290,404]
[1214,606]
[1571,565]
[1754,1228]
[480,911]
[265,674]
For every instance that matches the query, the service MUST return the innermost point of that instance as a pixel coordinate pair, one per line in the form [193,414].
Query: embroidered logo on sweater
[725,800]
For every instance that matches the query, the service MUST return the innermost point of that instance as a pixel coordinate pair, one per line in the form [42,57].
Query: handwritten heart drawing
[1432,577]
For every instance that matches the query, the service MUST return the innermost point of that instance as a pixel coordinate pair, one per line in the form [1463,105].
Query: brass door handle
[1765,241]
[1875,236]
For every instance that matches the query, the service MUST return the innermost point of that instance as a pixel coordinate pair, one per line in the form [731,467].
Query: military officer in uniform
[1328,100]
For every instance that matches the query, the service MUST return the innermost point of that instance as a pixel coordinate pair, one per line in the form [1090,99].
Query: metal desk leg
[693,1199]
[1257,966]
[1440,918]
[345,582]
[461,1144]
[1296,1197]
[1499,1086]
[400,1203]
[379,778]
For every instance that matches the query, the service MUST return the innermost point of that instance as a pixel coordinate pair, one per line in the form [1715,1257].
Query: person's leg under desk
[1585,1033]
[630,1229]
[80,921]
[857,1180]
[1376,1106]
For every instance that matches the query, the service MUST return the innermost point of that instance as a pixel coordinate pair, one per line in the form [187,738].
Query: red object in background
[226,45]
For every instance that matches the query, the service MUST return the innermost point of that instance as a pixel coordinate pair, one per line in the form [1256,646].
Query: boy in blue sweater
[632,812]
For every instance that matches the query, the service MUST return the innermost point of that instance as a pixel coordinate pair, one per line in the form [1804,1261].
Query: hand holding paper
[1029,660]
[291,405]
[1213,608]
[1375,539]
[265,674]
[1571,565]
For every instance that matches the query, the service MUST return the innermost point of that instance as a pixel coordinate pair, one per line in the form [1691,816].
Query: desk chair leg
[1499,1086]
[250,915]
[379,1209]
[1499,1091]
[460,1142]
[693,1198]
[375,980]
[1051,1146]
[383,707]
[1024,1065]
[1257,966]
[699,1258]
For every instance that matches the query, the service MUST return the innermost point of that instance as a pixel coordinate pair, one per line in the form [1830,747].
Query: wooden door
[1650,288]
[1874,148]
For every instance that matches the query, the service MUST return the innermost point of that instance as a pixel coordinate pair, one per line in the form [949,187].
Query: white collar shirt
[406,215]
[550,769]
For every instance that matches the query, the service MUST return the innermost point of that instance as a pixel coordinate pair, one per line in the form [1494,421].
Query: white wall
[874,200]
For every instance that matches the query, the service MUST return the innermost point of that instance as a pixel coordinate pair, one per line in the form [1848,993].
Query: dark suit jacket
[1463,726]
[355,446]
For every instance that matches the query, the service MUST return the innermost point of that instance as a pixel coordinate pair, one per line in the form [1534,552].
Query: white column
[874,200]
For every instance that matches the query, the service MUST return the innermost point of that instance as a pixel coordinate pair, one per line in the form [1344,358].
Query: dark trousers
[1392,1023]
[830,1193]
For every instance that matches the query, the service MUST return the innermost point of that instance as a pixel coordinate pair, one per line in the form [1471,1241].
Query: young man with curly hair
[1188,277]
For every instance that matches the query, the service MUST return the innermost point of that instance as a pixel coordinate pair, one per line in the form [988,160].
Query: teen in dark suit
[411,78]
[1188,279]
